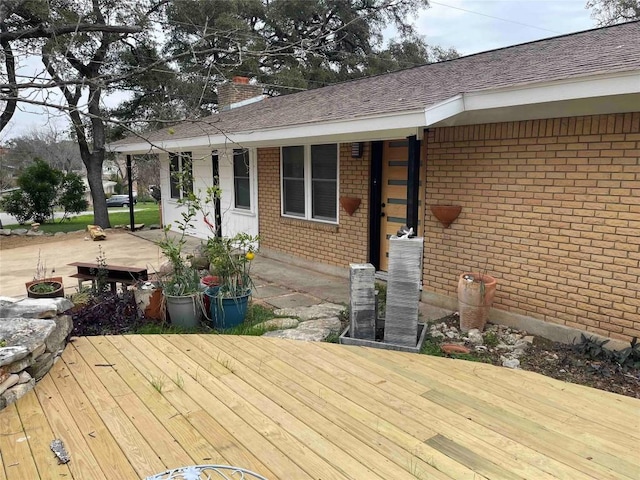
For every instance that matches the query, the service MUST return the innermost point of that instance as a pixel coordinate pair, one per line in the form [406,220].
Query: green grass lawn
[146,213]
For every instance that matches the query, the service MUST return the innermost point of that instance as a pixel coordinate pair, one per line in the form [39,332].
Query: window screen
[324,173]
[293,180]
[241,184]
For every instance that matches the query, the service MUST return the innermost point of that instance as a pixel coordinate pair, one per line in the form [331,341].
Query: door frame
[375,203]
[375,198]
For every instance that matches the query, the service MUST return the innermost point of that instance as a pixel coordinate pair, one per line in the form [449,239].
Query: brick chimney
[239,90]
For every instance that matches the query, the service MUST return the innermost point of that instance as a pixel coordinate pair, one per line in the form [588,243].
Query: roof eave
[373,127]
[570,96]
[567,92]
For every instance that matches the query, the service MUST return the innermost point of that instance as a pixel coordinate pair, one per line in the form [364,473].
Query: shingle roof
[600,51]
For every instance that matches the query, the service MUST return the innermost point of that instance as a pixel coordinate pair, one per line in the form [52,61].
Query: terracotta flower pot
[475,296]
[56,289]
[350,204]
[446,214]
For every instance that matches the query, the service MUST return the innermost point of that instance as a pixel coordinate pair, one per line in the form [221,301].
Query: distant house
[538,143]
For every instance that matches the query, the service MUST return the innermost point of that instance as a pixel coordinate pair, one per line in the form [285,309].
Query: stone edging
[33,333]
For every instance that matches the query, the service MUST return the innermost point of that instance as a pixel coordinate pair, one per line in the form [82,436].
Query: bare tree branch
[42,31]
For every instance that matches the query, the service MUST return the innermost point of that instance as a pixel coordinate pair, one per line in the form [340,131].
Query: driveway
[18,265]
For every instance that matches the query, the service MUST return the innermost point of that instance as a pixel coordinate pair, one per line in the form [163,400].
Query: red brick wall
[551,208]
[330,244]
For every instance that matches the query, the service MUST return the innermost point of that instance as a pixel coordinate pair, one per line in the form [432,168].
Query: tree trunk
[94,176]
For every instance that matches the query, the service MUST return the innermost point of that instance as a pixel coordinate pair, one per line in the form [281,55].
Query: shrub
[16,204]
[42,189]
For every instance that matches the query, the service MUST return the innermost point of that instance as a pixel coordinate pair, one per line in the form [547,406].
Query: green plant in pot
[230,261]
[181,286]
[43,286]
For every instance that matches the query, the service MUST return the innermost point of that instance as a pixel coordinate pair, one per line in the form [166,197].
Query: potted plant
[475,295]
[42,286]
[181,286]
[230,261]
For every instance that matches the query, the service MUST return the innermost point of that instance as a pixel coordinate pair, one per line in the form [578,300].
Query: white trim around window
[303,193]
[238,200]
[180,175]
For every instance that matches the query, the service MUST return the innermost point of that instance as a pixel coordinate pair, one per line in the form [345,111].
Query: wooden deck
[130,406]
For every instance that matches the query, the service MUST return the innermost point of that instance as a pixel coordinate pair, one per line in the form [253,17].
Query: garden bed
[595,368]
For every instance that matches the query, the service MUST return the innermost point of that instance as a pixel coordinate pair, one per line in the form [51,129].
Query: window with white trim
[241,179]
[180,175]
[309,179]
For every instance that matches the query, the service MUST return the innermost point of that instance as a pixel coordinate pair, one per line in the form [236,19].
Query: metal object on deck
[57,447]
[207,472]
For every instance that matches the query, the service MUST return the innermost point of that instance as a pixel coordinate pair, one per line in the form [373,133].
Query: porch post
[130,182]
[413,182]
[375,205]
[215,162]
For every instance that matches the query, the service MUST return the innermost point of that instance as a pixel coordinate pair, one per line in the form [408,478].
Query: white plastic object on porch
[207,472]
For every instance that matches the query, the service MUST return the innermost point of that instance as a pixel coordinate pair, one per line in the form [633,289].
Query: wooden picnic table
[115,274]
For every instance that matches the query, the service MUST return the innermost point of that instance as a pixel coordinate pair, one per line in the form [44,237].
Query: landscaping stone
[16,392]
[278,323]
[42,365]
[474,337]
[311,330]
[35,233]
[34,307]
[35,344]
[306,335]
[511,363]
[9,382]
[58,234]
[322,310]
[57,340]
[9,355]
[5,232]
[20,365]
[28,333]
[332,324]
[20,231]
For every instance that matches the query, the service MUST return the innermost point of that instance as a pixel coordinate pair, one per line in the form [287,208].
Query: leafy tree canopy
[169,56]
[610,12]
[286,45]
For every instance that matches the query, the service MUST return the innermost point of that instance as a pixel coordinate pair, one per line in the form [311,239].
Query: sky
[470,26]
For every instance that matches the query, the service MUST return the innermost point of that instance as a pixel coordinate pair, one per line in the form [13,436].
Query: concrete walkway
[282,285]
[278,284]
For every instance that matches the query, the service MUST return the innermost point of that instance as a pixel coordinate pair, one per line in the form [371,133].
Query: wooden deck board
[431,418]
[35,425]
[294,410]
[550,413]
[345,442]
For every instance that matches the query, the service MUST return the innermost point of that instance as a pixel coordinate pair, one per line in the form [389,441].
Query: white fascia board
[441,111]
[562,90]
[356,129]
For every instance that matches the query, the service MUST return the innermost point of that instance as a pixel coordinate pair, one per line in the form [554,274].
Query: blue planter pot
[227,312]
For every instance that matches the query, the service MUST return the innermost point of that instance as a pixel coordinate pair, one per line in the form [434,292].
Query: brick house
[538,143]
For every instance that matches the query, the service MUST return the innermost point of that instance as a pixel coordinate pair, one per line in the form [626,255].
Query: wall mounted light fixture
[356,149]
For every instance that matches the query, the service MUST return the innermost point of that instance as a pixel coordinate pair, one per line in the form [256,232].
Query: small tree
[16,204]
[42,188]
[72,194]
[40,183]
